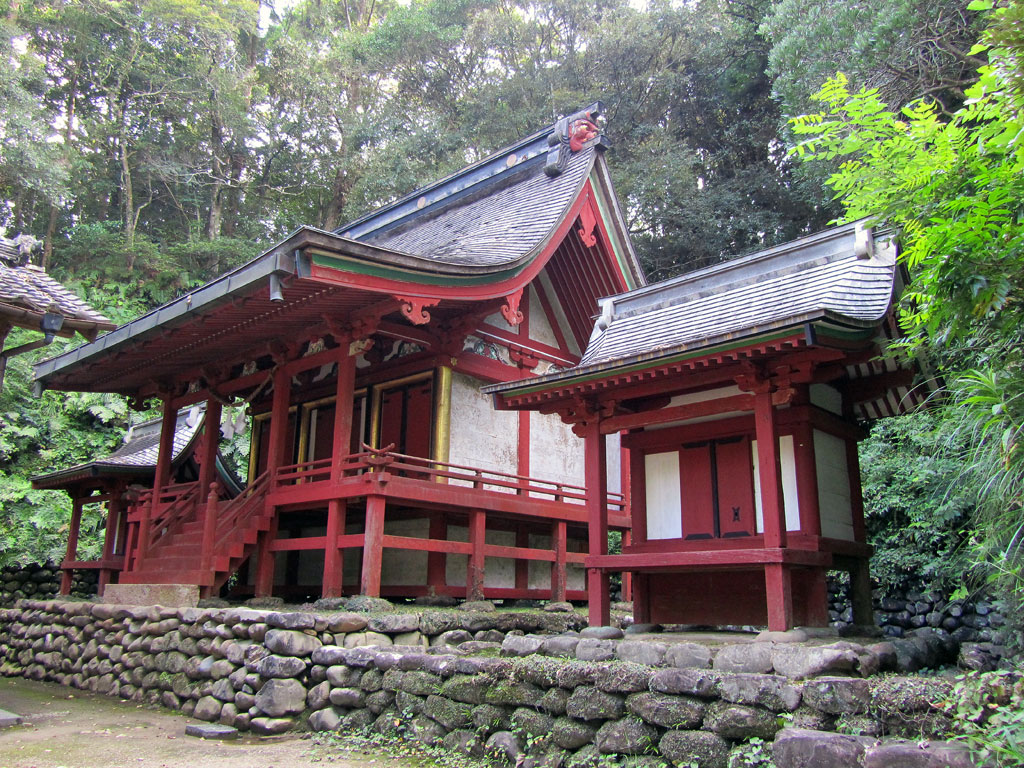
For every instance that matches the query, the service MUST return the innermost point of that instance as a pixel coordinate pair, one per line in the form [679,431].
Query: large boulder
[628,736]
[698,749]
[288,642]
[667,711]
[800,748]
[280,697]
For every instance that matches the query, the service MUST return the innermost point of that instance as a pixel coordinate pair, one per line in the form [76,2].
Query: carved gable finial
[569,135]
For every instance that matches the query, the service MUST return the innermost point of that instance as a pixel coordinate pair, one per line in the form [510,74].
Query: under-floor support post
[475,567]
[778,584]
[110,533]
[211,442]
[333,559]
[264,582]
[559,536]
[595,469]
[437,562]
[860,593]
[373,545]
[523,566]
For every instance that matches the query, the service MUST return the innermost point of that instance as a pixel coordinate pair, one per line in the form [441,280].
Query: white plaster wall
[481,436]
[613,450]
[664,502]
[540,326]
[556,454]
[560,316]
[790,499]
[834,497]
[498,571]
[401,566]
[827,398]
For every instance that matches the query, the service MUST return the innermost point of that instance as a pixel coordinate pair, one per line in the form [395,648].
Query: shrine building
[737,392]
[377,466]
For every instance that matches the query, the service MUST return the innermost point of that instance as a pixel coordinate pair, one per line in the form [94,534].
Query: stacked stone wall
[490,684]
[39,582]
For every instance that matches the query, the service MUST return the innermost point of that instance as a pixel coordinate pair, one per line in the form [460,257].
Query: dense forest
[153,144]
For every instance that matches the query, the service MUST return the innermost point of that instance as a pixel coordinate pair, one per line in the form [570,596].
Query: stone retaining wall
[40,582]
[420,676]
[969,621]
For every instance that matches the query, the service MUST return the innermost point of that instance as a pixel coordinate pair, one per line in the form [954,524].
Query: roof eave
[576,376]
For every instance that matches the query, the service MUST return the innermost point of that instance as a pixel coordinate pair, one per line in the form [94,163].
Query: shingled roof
[838,276]
[27,292]
[840,282]
[472,236]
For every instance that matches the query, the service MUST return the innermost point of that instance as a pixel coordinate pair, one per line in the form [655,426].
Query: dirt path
[66,728]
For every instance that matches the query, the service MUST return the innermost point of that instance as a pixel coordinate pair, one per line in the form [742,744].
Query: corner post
[373,545]
[209,527]
[275,458]
[595,470]
[168,425]
[559,540]
[778,579]
[340,445]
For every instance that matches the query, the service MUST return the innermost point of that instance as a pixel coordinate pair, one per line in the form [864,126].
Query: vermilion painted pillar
[211,441]
[627,576]
[114,510]
[264,585]
[595,467]
[778,583]
[437,561]
[373,545]
[559,543]
[807,480]
[71,555]
[165,456]
[522,566]
[340,443]
[475,567]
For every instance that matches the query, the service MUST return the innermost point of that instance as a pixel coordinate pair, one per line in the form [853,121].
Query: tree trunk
[339,190]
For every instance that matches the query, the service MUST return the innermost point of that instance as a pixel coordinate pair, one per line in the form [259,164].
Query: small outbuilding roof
[137,457]
[27,292]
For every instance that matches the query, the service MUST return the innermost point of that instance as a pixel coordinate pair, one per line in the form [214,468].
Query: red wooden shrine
[376,465]
[737,391]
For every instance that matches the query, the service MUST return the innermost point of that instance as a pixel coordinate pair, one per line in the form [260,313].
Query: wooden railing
[233,515]
[431,470]
[175,506]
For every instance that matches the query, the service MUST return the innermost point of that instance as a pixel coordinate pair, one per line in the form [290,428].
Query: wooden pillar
[778,582]
[110,532]
[559,541]
[807,480]
[71,555]
[276,446]
[642,598]
[627,576]
[815,591]
[344,393]
[437,562]
[523,566]
[211,441]
[475,567]
[263,585]
[165,455]
[209,527]
[769,471]
[373,545]
[595,468]
[860,593]
[333,562]
[340,444]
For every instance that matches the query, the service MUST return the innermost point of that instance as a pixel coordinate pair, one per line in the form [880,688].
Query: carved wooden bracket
[414,308]
[588,222]
[510,309]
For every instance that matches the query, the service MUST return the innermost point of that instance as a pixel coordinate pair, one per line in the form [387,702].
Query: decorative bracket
[588,222]
[510,309]
[414,308]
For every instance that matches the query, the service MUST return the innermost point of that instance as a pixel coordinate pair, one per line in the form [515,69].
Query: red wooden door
[735,481]
[407,418]
[290,445]
[697,491]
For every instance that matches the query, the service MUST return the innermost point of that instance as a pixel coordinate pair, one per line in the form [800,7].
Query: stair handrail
[168,519]
[240,508]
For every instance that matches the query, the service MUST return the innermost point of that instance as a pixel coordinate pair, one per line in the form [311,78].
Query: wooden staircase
[176,550]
